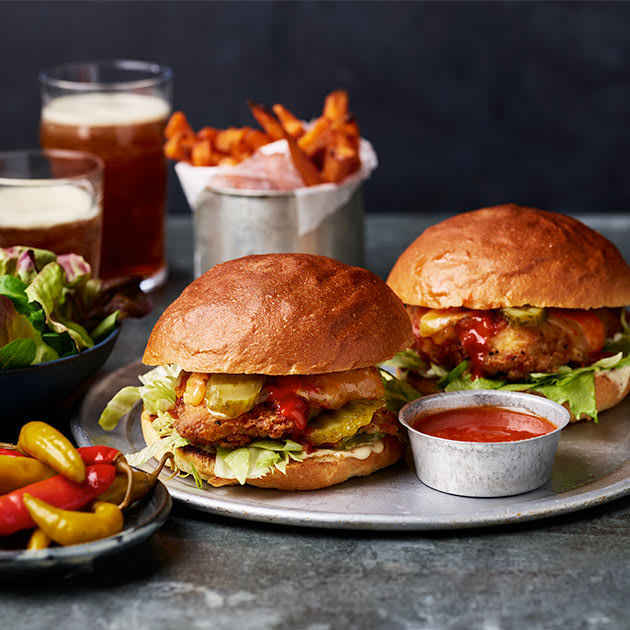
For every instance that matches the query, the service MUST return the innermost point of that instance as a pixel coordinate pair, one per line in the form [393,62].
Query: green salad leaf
[17,353]
[15,326]
[57,305]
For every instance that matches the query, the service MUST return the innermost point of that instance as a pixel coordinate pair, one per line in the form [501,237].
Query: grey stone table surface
[204,571]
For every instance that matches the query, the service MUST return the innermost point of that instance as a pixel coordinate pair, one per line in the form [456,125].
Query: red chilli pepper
[10,452]
[98,454]
[57,491]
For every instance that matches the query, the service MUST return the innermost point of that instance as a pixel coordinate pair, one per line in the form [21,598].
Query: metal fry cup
[229,222]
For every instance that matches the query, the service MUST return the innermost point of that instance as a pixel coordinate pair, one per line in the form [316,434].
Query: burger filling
[325,409]
[512,342]
[253,423]
[555,352]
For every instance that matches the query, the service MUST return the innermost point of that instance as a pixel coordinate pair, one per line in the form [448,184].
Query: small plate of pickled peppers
[63,509]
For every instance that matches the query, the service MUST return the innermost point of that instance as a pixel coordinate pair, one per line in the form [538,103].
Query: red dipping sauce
[483,424]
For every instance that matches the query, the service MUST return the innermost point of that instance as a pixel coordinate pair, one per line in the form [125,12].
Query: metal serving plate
[592,466]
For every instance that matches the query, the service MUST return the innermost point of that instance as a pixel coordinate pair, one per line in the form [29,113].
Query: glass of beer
[117,110]
[52,200]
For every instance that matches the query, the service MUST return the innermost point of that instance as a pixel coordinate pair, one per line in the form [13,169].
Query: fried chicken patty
[498,348]
[261,422]
[266,420]
[195,423]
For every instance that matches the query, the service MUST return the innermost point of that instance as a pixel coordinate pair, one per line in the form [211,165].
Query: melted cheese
[436,320]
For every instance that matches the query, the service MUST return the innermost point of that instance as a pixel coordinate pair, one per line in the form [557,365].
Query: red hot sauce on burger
[483,424]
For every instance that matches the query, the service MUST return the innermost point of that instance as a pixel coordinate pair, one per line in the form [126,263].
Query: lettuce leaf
[256,460]
[397,392]
[69,309]
[13,327]
[573,386]
[17,353]
[47,289]
[195,475]
[158,388]
[406,360]
[105,327]
[120,405]
[76,270]
[157,393]
[169,440]
[621,341]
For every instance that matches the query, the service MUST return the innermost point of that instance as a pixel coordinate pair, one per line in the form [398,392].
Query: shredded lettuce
[573,386]
[157,393]
[120,405]
[158,388]
[195,475]
[169,440]
[256,460]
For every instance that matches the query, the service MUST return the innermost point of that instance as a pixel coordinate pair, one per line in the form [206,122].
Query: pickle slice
[230,395]
[334,425]
[524,315]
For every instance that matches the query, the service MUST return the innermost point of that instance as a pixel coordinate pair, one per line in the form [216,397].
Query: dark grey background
[467,104]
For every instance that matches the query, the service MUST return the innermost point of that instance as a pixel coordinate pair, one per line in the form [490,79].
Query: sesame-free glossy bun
[511,256]
[611,387]
[310,474]
[280,314]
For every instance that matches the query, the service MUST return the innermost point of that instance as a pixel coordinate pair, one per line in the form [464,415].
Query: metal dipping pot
[484,469]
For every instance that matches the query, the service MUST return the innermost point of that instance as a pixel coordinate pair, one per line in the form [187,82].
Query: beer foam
[102,109]
[44,206]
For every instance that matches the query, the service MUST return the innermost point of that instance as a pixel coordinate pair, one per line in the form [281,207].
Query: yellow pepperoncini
[73,528]
[124,493]
[38,540]
[50,446]
[17,472]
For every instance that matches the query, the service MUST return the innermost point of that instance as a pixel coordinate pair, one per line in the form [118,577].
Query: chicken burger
[517,298]
[266,374]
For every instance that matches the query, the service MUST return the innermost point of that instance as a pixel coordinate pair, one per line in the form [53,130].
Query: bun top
[511,256]
[280,314]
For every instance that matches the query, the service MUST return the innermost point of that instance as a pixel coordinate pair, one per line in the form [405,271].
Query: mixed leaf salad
[51,307]
[575,386]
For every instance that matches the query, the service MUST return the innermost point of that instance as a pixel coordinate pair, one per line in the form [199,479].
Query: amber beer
[125,130]
[62,218]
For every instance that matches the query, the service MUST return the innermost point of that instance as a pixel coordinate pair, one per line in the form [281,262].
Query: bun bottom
[611,387]
[311,474]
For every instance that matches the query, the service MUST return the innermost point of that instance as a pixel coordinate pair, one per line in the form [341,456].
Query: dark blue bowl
[38,389]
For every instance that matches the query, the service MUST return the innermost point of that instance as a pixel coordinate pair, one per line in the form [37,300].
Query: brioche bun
[280,314]
[611,387]
[511,256]
[310,474]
